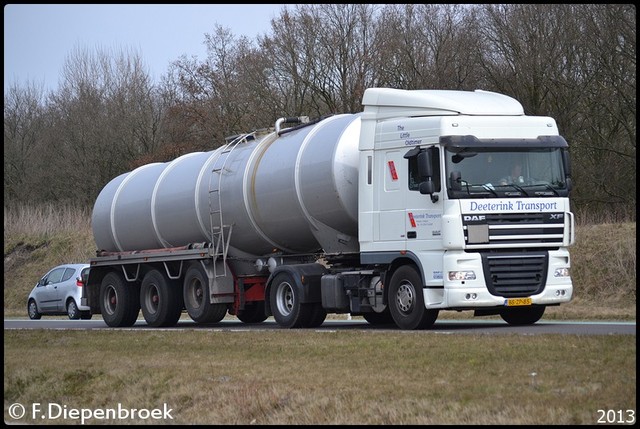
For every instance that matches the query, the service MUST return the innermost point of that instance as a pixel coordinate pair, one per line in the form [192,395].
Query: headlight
[462,275]
[561,272]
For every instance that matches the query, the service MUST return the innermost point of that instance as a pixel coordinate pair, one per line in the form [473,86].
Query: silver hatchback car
[58,292]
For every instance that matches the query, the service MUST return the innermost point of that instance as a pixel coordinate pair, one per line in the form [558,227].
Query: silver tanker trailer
[395,213]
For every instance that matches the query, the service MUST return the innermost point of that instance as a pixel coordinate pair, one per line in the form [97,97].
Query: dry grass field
[321,377]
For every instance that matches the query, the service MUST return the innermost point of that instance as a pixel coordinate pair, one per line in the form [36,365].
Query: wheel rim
[405,297]
[32,309]
[284,298]
[152,299]
[110,301]
[71,309]
[195,294]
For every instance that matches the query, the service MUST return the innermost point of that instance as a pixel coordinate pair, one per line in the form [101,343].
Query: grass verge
[311,377]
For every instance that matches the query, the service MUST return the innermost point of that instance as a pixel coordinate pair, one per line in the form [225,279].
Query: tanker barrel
[296,192]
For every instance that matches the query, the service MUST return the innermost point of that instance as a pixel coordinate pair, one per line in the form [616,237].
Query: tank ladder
[219,237]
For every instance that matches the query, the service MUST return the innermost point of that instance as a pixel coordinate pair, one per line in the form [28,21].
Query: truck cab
[437,194]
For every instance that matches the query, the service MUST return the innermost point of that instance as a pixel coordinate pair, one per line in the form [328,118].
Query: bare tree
[24,128]
[321,57]
[214,96]
[577,64]
[288,50]
[428,46]
[105,118]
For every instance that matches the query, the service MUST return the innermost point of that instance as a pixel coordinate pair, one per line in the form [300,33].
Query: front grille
[515,274]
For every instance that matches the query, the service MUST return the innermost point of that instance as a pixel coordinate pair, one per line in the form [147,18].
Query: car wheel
[72,310]
[32,309]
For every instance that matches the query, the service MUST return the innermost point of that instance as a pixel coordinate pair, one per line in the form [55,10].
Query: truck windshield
[505,172]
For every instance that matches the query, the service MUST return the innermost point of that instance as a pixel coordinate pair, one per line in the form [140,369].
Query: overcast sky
[39,37]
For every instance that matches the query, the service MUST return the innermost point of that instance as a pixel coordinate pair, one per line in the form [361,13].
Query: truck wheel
[318,315]
[286,307]
[522,316]
[377,319]
[196,297]
[119,302]
[160,299]
[406,300]
[253,312]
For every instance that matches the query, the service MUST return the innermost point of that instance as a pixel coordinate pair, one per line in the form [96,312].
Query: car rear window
[85,274]
[68,273]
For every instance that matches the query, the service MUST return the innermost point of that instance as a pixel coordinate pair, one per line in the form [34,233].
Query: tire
[85,315]
[522,316]
[32,310]
[379,319]
[406,300]
[196,297]
[160,299]
[318,315]
[286,307]
[72,310]
[253,312]
[119,301]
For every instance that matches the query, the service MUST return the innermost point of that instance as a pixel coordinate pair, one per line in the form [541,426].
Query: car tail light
[79,282]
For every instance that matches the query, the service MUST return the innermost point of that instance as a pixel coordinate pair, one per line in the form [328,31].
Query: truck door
[423,214]
[391,199]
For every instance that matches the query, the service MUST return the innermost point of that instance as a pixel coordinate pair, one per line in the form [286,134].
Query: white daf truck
[406,209]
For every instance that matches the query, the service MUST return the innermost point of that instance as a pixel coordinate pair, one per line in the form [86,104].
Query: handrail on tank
[232,139]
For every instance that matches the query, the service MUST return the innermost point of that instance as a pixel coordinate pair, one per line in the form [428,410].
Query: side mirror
[424,165]
[424,159]
[427,187]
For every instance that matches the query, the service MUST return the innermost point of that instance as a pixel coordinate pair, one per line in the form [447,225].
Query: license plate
[513,302]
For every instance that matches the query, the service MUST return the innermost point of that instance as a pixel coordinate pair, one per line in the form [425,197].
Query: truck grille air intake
[515,275]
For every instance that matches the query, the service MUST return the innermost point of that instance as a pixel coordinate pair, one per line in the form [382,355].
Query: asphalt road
[444,326]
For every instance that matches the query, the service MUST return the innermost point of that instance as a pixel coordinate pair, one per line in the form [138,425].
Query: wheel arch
[68,299]
[399,261]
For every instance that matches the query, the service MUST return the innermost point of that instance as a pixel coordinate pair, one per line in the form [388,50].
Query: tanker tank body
[291,192]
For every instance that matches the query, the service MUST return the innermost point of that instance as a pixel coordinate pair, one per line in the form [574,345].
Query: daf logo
[473,218]
[554,216]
